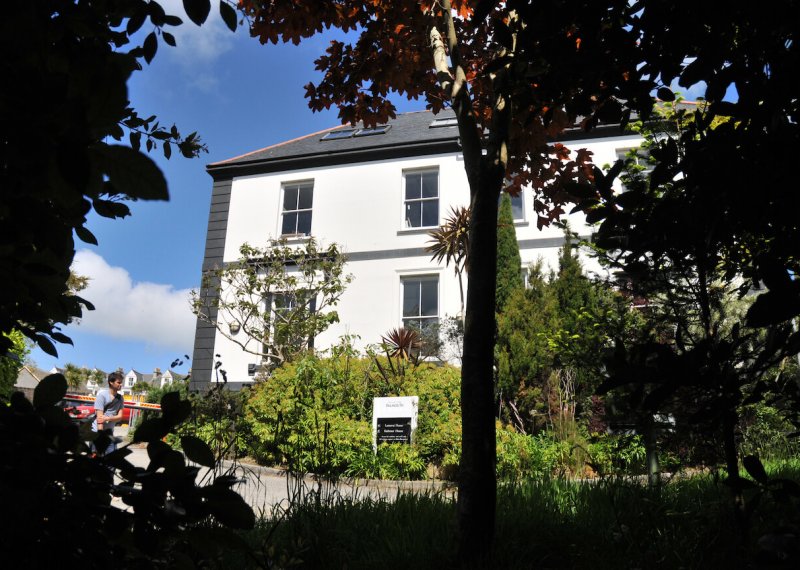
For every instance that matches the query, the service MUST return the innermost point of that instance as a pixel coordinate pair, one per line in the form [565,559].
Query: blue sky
[239,96]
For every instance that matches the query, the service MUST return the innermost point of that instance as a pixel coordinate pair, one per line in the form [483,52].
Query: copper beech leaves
[507,49]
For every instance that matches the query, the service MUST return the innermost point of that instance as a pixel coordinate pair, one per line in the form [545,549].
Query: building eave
[222,171]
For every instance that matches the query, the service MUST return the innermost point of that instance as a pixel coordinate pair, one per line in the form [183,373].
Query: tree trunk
[729,444]
[477,485]
[651,450]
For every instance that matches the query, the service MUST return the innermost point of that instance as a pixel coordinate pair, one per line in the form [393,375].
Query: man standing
[108,409]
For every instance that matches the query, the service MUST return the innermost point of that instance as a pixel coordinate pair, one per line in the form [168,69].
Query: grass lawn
[614,524]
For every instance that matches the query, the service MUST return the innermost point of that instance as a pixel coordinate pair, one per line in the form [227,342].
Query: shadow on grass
[611,524]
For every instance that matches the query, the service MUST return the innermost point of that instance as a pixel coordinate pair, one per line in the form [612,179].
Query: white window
[517,205]
[421,205]
[283,316]
[296,216]
[420,302]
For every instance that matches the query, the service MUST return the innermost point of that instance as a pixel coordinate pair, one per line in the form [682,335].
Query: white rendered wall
[360,207]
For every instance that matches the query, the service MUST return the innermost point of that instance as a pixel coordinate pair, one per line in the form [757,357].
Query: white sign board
[394,420]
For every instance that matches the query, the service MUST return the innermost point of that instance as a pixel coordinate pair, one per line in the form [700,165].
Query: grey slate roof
[407,128]
[29,377]
[409,134]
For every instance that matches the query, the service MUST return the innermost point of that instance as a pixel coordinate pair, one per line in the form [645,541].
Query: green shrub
[617,454]
[315,415]
[764,433]
[521,456]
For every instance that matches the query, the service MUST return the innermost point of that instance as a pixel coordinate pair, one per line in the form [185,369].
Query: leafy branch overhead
[62,495]
[59,121]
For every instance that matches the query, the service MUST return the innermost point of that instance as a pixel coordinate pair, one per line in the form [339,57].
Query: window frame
[420,317]
[299,186]
[274,300]
[521,197]
[405,222]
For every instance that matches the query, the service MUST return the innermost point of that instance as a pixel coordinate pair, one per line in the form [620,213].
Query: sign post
[394,420]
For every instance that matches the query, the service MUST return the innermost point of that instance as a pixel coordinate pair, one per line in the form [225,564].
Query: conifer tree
[572,287]
[509,263]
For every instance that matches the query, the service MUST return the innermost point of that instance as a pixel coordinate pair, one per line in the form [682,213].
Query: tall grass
[613,523]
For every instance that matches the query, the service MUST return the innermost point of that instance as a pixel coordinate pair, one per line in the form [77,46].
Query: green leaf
[156,449]
[197,450]
[229,508]
[150,46]
[174,410]
[55,417]
[110,209]
[773,307]
[228,15]
[169,39]
[135,23]
[197,10]
[172,21]
[755,468]
[85,235]
[173,463]
[62,338]
[136,140]
[150,430]
[169,402]
[157,13]
[49,391]
[46,345]
[132,173]
[665,94]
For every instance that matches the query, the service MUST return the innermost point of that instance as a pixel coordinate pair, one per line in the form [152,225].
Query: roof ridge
[276,145]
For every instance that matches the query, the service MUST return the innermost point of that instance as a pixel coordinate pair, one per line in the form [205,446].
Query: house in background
[95,382]
[132,377]
[156,379]
[377,193]
[28,378]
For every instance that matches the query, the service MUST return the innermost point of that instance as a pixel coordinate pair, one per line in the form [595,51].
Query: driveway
[265,488]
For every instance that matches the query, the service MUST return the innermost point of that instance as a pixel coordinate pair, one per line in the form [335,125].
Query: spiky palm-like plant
[450,243]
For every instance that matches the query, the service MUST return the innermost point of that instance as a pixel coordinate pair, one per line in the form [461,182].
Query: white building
[377,193]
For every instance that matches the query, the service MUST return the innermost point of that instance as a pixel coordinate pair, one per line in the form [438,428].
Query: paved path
[266,489]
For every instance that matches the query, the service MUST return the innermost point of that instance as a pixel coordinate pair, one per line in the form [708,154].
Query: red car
[82,412]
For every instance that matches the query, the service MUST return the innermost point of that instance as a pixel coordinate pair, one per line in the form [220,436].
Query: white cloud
[198,47]
[156,314]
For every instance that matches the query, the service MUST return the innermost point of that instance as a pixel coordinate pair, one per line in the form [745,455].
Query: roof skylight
[336,135]
[354,132]
[378,130]
[444,122]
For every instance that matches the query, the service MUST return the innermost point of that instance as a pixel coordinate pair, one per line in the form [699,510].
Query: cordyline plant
[450,243]
[516,74]
[272,302]
[402,343]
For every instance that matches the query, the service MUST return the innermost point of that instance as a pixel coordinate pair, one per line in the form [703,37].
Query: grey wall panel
[203,353]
